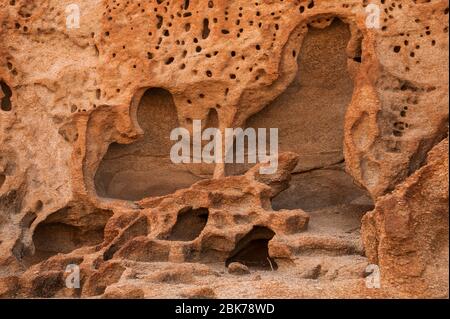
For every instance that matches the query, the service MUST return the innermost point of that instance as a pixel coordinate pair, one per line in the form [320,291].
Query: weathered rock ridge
[85,174]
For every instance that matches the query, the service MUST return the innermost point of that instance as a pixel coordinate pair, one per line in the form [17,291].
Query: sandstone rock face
[358,91]
[407,233]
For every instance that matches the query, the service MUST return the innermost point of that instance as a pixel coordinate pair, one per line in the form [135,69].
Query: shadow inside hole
[322,188]
[190,223]
[6,98]
[2,179]
[60,234]
[253,250]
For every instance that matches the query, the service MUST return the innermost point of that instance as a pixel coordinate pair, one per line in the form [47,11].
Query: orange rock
[86,178]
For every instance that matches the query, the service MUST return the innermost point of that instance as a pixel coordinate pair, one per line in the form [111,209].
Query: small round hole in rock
[5,97]
[2,179]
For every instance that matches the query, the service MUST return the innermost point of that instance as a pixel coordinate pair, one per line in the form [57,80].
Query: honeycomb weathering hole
[5,97]
[189,225]
[253,250]
[310,116]
[143,168]
[59,234]
[310,113]
[2,179]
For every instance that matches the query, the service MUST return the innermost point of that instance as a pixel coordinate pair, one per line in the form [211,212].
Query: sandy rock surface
[86,178]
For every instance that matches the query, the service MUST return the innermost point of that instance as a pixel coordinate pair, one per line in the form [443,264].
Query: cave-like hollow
[190,223]
[144,168]
[252,250]
[310,117]
[59,233]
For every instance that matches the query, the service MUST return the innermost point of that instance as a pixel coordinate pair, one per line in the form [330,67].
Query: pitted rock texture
[86,178]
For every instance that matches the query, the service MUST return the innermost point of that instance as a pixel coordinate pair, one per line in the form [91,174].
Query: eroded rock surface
[407,233]
[85,173]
